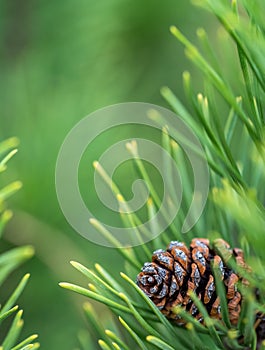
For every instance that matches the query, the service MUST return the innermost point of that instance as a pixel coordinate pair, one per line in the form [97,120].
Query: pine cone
[260,325]
[173,273]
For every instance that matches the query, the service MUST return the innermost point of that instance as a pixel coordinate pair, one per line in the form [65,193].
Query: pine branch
[10,260]
[234,212]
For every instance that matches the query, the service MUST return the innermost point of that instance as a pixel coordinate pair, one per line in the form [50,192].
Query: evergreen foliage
[228,109]
[9,261]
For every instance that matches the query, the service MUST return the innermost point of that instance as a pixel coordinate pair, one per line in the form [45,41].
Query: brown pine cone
[260,325]
[173,273]
[260,330]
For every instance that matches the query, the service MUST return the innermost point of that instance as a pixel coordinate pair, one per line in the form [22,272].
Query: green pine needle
[10,260]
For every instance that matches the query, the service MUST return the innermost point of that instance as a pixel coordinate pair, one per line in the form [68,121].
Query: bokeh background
[61,60]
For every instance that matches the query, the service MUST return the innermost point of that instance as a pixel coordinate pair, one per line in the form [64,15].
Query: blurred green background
[61,60]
